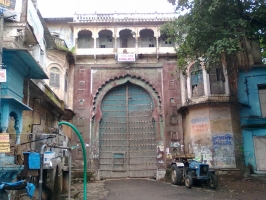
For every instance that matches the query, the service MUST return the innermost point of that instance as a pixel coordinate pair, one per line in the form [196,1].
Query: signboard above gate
[126,57]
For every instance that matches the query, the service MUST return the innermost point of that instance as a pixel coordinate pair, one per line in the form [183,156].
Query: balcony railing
[116,17]
[60,42]
[112,51]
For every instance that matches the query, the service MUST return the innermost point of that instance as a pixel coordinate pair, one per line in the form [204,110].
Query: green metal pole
[84,156]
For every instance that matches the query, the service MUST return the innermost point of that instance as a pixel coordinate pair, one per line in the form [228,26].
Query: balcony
[113,51]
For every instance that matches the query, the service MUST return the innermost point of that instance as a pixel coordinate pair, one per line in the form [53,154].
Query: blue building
[252,93]
[19,65]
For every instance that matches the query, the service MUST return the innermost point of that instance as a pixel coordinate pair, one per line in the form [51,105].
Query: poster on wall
[11,9]
[2,75]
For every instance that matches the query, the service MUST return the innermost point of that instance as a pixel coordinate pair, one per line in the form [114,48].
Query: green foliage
[214,31]
[62,48]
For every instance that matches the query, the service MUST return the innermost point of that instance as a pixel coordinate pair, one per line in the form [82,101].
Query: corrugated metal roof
[22,59]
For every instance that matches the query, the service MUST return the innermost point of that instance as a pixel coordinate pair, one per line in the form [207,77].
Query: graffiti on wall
[224,150]
[200,125]
[203,153]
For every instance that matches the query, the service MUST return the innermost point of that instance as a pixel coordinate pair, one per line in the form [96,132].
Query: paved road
[147,189]
[143,189]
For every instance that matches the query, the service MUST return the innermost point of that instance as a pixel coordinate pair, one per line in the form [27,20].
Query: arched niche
[105,39]
[126,39]
[85,39]
[146,38]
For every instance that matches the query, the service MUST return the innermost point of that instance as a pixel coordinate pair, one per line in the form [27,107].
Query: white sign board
[4,143]
[35,22]
[2,75]
[126,57]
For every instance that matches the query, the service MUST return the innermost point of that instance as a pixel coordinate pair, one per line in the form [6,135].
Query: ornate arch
[119,80]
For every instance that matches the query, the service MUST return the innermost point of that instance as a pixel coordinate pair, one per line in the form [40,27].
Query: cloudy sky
[66,8]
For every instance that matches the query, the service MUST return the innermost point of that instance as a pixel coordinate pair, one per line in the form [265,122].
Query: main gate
[127,136]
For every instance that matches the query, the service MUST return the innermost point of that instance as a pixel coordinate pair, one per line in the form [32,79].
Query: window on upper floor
[105,39]
[85,39]
[147,38]
[164,42]
[54,79]
[262,98]
[197,86]
[217,80]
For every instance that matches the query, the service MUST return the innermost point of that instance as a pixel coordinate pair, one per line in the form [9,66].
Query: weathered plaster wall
[251,120]
[211,136]
[82,108]
[64,31]
[158,79]
[57,59]
[172,119]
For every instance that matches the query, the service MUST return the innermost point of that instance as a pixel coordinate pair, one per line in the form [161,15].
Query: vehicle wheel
[176,175]
[213,181]
[188,181]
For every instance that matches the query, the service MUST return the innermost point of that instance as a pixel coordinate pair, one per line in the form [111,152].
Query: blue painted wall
[14,85]
[251,112]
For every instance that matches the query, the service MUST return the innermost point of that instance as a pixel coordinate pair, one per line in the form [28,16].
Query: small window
[54,77]
[171,84]
[166,42]
[172,101]
[102,46]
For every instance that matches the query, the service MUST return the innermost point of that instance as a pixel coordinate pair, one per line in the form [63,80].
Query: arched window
[85,39]
[197,86]
[54,77]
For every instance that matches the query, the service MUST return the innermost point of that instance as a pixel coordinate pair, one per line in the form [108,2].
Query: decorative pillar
[157,43]
[206,82]
[95,36]
[226,82]
[183,89]
[189,94]
[4,117]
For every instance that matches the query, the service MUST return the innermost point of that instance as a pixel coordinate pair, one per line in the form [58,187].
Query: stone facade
[193,114]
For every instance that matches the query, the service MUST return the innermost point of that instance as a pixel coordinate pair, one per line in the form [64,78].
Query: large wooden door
[127,136]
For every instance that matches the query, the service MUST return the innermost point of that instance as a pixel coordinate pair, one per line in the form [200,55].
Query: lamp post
[84,157]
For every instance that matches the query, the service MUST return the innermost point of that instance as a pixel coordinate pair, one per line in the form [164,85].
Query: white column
[94,46]
[226,82]
[189,94]
[183,89]
[206,82]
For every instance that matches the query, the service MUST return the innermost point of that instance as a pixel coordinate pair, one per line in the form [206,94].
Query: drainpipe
[84,156]
[69,173]
[41,171]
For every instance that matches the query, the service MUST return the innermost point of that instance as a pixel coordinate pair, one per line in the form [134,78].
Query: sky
[66,8]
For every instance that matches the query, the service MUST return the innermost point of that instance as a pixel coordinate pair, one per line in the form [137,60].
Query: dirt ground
[241,189]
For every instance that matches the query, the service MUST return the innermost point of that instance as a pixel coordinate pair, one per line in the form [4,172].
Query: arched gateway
[127,138]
